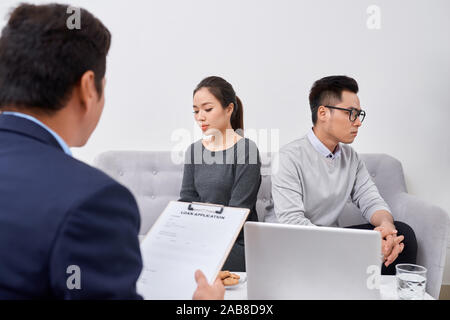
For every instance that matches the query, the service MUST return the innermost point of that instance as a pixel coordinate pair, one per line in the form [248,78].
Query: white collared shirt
[321,148]
[61,142]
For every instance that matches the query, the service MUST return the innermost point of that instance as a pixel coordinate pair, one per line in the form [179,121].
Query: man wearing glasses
[319,172]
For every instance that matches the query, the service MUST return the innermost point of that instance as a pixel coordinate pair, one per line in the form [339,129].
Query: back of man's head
[328,91]
[42,59]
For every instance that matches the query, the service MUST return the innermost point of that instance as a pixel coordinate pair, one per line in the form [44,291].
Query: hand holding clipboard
[187,237]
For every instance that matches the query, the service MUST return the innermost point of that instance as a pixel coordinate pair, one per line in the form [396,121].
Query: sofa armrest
[431,225]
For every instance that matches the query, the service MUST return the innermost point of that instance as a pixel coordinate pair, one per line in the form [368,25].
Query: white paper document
[187,237]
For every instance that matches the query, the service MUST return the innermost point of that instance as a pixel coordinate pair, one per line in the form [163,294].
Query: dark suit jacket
[57,212]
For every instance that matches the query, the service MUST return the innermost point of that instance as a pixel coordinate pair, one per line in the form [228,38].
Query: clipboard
[186,237]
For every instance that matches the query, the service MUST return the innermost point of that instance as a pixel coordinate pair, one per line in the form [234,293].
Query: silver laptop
[300,262]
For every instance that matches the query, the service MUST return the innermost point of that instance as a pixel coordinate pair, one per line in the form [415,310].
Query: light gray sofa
[154,179]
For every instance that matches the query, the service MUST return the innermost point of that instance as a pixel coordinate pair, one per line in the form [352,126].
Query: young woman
[224,169]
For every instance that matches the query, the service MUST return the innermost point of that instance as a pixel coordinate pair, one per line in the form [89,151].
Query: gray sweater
[309,188]
[231,177]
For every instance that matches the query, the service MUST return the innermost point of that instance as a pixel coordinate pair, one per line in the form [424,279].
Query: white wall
[272,51]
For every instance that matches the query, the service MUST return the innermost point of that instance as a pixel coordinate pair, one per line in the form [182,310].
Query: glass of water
[411,281]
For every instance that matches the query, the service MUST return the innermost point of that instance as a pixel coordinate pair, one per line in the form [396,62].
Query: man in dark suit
[67,230]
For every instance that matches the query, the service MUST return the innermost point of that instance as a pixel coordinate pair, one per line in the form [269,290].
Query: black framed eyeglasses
[353,113]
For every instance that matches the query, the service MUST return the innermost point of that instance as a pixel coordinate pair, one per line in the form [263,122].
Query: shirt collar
[61,142]
[321,148]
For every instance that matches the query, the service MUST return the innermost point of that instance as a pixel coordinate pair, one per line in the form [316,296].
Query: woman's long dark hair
[224,92]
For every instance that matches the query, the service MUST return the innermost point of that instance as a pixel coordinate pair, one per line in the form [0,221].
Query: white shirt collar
[321,148]
[61,142]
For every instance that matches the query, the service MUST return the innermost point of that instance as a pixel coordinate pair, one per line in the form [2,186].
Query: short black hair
[328,91]
[41,59]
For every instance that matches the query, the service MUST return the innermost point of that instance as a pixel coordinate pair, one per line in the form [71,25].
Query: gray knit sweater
[231,177]
[311,189]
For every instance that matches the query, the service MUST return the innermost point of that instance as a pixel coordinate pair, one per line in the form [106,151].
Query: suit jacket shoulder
[58,213]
